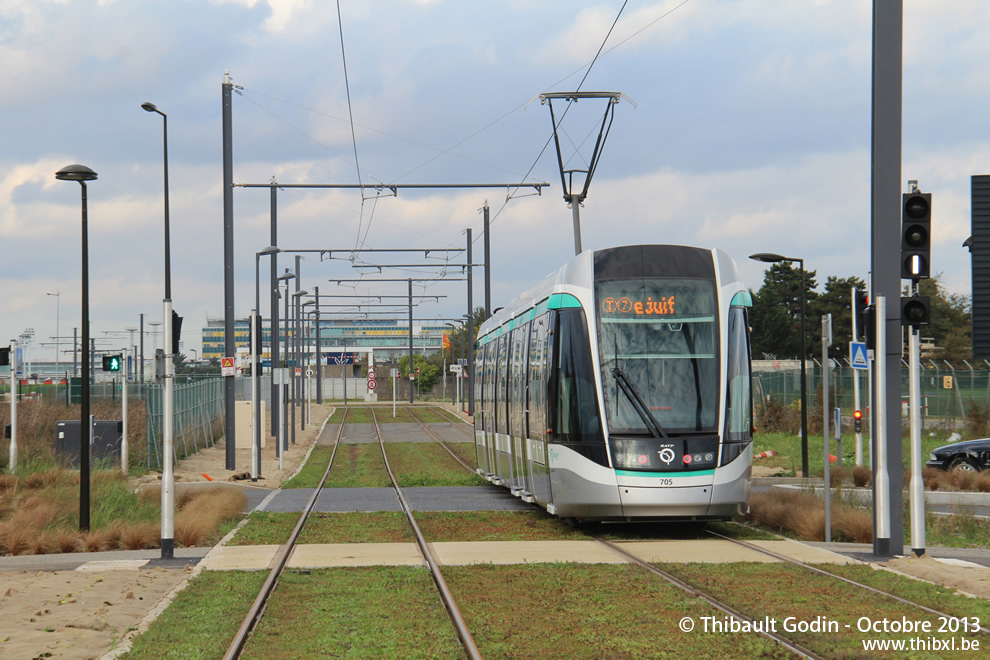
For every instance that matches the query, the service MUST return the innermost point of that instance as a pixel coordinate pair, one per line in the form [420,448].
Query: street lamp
[770,258]
[58,298]
[282,443]
[256,366]
[82,174]
[168,398]
[297,360]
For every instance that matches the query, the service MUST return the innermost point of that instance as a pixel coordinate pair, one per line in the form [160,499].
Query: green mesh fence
[199,418]
[946,393]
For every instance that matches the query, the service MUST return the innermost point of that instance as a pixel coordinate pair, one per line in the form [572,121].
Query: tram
[619,388]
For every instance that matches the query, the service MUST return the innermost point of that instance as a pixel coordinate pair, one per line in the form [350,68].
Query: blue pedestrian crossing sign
[857,355]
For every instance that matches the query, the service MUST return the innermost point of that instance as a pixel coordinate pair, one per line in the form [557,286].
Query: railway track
[815,569]
[443,444]
[467,642]
[450,605]
[728,609]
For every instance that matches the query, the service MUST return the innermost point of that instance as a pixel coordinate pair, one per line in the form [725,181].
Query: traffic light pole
[856,400]
[124,456]
[13,406]
[917,485]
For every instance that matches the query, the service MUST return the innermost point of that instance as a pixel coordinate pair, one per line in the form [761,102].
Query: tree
[776,314]
[951,321]
[837,301]
[429,372]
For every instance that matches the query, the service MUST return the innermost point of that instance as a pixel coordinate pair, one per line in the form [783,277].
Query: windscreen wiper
[637,402]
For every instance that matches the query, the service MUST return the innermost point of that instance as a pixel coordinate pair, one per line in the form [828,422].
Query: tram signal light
[860,303]
[916,239]
[858,421]
[111,362]
[176,331]
[915,311]
[870,327]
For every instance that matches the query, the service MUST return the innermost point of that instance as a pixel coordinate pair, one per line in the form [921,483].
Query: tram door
[536,406]
[482,423]
[491,452]
[517,407]
[502,449]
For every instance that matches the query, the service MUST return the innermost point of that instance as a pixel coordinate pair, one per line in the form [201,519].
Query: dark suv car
[970,456]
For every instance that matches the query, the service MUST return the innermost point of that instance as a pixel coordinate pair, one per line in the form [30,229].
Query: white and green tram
[619,388]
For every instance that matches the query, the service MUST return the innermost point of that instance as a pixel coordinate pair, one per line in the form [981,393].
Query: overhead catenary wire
[511,194]
[350,114]
[557,124]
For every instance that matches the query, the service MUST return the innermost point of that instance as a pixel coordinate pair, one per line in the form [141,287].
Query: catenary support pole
[469,326]
[294,353]
[488,266]
[412,369]
[319,352]
[229,343]
[275,335]
[255,380]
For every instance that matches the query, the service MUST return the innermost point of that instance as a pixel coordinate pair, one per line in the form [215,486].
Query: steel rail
[467,641]
[258,607]
[442,443]
[711,600]
[815,569]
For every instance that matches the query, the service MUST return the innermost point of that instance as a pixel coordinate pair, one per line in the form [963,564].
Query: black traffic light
[858,421]
[860,303]
[870,327]
[111,362]
[915,311]
[916,237]
[4,355]
[176,331]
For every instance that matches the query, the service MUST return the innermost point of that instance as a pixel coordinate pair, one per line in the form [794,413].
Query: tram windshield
[658,340]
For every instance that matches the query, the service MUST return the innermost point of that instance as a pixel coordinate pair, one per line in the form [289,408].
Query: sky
[744,125]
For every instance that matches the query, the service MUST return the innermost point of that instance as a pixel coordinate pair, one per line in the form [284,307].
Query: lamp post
[297,361]
[282,443]
[307,396]
[58,304]
[82,174]
[771,258]
[168,397]
[256,365]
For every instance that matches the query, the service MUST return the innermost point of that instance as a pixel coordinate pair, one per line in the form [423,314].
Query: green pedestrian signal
[111,362]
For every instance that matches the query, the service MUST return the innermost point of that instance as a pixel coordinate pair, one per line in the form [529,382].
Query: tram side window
[517,380]
[501,369]
[489,392]
[739,399]
[575,417]
[538,377]
[481,383]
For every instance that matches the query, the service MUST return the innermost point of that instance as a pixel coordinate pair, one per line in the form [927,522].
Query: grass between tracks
[388,527]
[413,463]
